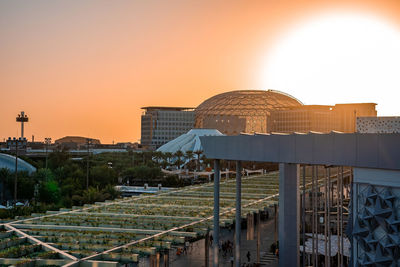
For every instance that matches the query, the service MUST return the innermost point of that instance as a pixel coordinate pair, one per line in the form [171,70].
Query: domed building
[242,111]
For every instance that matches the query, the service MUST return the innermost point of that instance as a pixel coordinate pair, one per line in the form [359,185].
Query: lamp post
[22,118]
[88,143]
[47,141]
[17,143]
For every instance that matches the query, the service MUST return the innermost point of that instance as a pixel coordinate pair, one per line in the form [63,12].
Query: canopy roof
[188,141]
[8,162]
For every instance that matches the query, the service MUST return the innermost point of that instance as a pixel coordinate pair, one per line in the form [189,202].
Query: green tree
[49,192]
[102,176]
[44,175]
[5,176]
[111,192]
[25,186]
[58,159]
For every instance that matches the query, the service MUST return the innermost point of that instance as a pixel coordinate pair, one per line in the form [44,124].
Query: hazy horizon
[86,68]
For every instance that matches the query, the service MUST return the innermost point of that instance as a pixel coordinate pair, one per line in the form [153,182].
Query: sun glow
[338,59]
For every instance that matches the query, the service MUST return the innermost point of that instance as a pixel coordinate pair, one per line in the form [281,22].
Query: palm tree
[178,154]
[198,153]
[164,160]
[168,156]
[5,174]
[157,155]
[189,155]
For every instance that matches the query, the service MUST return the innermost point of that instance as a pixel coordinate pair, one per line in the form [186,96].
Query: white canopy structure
[8,162]
[189,141]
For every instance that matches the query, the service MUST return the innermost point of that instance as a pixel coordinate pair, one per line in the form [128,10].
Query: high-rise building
[163,124]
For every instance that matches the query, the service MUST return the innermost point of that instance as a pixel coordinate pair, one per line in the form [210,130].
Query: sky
[87,67]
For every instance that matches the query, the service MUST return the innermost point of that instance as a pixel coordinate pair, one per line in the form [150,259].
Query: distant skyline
[87,67]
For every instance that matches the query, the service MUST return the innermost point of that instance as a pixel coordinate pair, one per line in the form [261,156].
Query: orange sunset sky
[86,67]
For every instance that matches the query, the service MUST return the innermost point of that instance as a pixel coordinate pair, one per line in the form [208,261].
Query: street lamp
[18,144]
[22,118]
[47,141]
[89,141]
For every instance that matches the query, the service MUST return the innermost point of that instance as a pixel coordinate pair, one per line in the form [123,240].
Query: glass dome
[241,111]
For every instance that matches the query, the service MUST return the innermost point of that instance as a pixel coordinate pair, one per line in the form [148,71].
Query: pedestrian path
[195,255]
[267,259]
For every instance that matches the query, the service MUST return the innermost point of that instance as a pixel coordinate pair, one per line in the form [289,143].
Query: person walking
[248,256]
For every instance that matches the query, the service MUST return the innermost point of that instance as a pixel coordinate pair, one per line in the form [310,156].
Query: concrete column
[238,218]
[289,214]
[216,213]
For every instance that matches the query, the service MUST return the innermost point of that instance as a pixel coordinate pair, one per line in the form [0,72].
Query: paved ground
[195,257]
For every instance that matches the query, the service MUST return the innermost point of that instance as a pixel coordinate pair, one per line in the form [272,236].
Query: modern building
[250,111]
[374,224]
[163,124]
[242,111]
[75,142]
[319,118]
[378,124]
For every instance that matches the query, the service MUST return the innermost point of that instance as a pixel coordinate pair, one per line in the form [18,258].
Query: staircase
[267,258]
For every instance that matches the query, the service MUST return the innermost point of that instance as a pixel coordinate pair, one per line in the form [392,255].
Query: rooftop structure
[160,125]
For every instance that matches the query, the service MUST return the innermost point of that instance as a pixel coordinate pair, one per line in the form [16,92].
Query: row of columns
[238,216]
[289,214]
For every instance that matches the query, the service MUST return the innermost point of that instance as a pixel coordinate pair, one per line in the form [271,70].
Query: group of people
[226,247]
[185,249]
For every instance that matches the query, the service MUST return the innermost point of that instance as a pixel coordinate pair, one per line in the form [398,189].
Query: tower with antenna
[22,118]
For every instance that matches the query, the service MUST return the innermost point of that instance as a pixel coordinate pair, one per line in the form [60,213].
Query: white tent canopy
[189,141]
[8,162]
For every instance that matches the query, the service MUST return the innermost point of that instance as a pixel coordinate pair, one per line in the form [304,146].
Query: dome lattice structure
[241,111]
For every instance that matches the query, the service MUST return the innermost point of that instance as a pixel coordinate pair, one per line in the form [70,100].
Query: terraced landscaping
[126,230]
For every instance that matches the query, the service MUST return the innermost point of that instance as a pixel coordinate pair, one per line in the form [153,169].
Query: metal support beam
[325,217]
[329,217]
[303,212]
[258,221]
[315,169]
[289,214]
[238,218]
[207,249]
[216,213]
[338,215]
